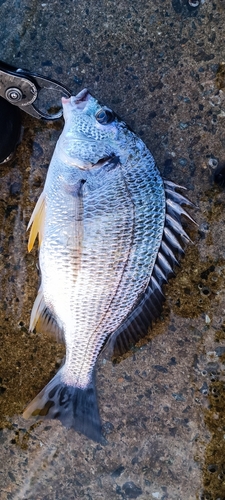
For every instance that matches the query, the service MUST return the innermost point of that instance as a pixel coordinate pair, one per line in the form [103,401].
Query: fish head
[91,132]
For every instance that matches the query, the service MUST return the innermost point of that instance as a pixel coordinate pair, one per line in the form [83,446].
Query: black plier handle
[21,88]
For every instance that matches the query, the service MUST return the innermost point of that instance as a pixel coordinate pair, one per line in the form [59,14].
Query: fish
[110,233]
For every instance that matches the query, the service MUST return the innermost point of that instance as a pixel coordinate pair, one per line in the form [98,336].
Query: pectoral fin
[37,222]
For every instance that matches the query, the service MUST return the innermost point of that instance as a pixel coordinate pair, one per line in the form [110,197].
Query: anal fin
[43,320]
[38,307]
[47,323]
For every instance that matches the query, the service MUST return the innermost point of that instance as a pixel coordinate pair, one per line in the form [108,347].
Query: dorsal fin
[149,306]
[37,222]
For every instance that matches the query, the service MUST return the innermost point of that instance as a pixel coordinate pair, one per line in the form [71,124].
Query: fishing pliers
[30,92]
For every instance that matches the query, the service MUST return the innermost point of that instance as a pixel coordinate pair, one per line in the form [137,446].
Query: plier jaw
[22,88]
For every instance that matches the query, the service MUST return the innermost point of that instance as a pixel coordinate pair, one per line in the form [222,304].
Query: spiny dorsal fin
[37,222]
[137,323]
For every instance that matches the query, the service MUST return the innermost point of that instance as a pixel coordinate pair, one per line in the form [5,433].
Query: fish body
[108,229]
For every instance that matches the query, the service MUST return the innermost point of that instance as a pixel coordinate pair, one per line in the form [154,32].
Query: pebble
[193,3]
[213,162]
[207,319]
[183,125]
[131,490]
[204,227]
[182,162]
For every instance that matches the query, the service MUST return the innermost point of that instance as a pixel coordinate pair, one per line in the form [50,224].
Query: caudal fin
[74,407]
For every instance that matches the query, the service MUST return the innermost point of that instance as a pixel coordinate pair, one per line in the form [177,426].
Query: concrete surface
[158,64]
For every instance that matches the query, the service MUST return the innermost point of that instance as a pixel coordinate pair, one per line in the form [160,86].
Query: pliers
[30,92]
[23,88]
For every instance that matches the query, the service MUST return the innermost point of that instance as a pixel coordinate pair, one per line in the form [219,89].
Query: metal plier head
[22,88]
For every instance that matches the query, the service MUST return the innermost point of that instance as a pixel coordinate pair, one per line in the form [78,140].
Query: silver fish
[109,227]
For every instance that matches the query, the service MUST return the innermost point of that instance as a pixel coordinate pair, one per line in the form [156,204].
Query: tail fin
[74,407]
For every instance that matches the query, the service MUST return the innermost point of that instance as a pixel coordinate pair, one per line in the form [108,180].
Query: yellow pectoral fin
[37,222]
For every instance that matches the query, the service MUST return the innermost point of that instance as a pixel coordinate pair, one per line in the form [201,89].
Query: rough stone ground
[159,65]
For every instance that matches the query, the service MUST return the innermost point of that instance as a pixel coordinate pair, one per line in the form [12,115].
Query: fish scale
[108,228]
[101,285]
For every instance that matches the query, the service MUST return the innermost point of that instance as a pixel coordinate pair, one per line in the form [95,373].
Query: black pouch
[10,129]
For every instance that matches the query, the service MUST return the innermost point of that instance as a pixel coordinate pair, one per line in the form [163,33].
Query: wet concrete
[159,65]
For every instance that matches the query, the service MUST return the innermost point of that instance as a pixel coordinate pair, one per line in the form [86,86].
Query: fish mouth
[81,97]
[78,101]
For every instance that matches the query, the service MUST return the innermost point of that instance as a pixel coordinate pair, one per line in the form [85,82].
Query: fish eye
[104,116]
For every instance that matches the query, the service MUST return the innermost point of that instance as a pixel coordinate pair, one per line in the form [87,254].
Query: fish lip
[78,101]
[82,96]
